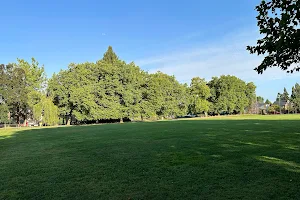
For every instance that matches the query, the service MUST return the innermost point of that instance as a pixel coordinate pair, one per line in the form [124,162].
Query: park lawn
[241,157]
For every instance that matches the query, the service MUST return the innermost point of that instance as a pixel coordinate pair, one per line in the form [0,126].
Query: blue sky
[182,38]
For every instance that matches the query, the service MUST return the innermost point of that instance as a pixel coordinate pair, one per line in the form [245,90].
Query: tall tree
[228,94]
[285,95]
[167,95]
[268,102]
[260,99]
[17,81]
[15,93]
[278,21]
[110,56]
[4,113]
[295,97]
[251,94]
[73,92]
[199,93]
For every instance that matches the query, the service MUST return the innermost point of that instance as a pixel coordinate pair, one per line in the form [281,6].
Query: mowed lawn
[248,157]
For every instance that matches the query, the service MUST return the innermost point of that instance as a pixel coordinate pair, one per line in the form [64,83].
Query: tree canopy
[230,94]
[260,99]
[295,97]
[268,102]
[278,21]
[112,90]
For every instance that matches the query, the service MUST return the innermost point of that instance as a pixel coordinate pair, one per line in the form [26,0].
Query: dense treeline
[286,103]
[22,94]
[113,90]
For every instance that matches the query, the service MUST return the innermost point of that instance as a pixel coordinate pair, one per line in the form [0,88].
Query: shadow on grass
[211,159]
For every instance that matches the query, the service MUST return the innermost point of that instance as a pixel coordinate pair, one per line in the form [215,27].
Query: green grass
[248,157]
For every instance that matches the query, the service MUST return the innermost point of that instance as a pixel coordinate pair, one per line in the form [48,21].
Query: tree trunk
[69,118]
[121,120]
[68,122]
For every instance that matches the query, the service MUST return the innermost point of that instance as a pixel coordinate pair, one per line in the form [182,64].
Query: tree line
[113,90]
[285,103]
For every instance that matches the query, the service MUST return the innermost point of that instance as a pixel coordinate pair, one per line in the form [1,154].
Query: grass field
[248,157]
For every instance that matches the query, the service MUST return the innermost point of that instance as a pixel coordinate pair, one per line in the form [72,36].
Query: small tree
[273,109]
[45,111]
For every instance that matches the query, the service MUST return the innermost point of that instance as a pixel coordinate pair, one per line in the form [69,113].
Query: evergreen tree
[268,102]
[110,56]
[251,94]
[295,97]
[260,99]
[285,95]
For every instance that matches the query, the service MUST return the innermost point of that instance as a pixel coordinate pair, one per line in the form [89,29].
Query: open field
[240,157]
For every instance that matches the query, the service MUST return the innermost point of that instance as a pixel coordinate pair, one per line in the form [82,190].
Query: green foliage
[111,89]
[268,102]
[18,81]
[229,94]
[43,109]
[273,108]
[260,99]
[295,97]
[285,95]
[199,93]
[278,21]
[4,113]
[110,56]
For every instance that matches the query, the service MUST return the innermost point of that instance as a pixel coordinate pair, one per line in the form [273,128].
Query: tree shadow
[214,159]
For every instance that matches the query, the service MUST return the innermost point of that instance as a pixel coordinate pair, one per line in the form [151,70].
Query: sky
[183,38]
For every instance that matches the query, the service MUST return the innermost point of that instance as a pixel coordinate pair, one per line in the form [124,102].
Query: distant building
[262,108]
[283,104]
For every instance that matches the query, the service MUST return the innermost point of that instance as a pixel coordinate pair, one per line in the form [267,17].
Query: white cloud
[226,55]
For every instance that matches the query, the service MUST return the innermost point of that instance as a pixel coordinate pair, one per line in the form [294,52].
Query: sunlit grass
[240,157]
[289,165]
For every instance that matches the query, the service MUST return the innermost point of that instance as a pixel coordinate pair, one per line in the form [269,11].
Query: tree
[260,99]
[273,109]
[13,90]
[251,94]
[46,112]
[278,21]
[73,91]
[43,108]
[285,95]
[295,97]
[268,102]
[4,113]
[17,81]
[110,56]
[199,93]
[167,96]
[228,95]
